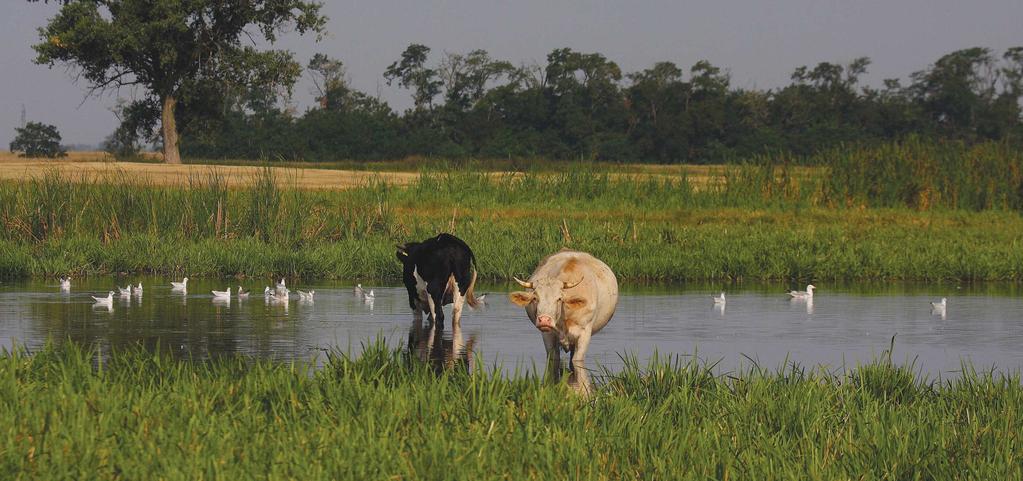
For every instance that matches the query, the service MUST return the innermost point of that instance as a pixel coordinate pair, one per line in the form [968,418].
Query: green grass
[763,220]
[695,245]
[136,415]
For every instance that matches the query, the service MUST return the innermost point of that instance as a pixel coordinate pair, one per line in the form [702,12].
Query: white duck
[105,301]
[370,295]
[358,290]
[280,297]
[267,292]
[242,293]
[180,286]
[719,299]
[138,290]
[306,296]
[281,285]
[124,291]
[222,294]
[65,283]
[803,295]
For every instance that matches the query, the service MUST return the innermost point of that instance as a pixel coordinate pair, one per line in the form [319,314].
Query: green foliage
[578,107]
[37,140]
[175,49]
[384,415]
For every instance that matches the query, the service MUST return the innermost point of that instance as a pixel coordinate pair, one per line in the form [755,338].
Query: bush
[38,140]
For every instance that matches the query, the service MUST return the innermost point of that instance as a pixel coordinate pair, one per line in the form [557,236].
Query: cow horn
[565,285]
[527,285]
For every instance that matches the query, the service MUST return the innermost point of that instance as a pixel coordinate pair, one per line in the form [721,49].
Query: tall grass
[135,415]
[767,219]
[925,175]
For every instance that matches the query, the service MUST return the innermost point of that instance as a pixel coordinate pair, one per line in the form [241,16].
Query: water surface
[843,326]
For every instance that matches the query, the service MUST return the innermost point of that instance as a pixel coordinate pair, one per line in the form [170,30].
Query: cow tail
[469,296]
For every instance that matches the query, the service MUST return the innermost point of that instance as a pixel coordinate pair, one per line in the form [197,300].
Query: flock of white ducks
[937,308]
[280,294]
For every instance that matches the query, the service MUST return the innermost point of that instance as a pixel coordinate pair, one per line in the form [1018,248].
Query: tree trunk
[170,131]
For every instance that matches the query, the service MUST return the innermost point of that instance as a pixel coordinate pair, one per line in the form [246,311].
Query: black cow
[438,272]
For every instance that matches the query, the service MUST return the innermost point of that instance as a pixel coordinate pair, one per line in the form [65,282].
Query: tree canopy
[581,105]
[175,49]
[36,139]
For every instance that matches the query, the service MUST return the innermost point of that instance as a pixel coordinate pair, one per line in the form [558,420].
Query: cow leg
[550,342]
[580,378]
[435,292]
[457,300]
[432,313]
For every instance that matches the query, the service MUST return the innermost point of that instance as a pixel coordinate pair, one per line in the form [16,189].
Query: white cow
[572,296]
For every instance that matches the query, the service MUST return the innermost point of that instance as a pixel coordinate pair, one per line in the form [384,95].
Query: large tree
[173,47]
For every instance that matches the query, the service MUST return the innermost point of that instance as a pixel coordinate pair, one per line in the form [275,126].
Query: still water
[842,326]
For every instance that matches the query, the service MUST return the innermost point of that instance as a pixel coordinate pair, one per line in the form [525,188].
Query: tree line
[231,100]
[581,106]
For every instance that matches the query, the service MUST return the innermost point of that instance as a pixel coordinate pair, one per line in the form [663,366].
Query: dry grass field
[100,166]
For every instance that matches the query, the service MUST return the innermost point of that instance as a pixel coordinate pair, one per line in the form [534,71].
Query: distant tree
[655,102]
[466,77]
[1012,72]
[411,72]
[137,126]
[329,79]
[822,106]
[958,90]
[587,106]
[37,140]
[170,46]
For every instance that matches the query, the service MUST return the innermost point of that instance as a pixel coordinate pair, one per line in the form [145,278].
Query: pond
[842,326]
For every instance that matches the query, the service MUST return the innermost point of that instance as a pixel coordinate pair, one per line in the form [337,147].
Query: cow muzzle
[545,323]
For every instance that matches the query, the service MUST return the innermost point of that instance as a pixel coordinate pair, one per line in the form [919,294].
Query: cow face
[406,251]
[406,255]
[550,298]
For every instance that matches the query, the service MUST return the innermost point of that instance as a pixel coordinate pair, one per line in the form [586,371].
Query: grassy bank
[142,416]
[763,220]
[700,245]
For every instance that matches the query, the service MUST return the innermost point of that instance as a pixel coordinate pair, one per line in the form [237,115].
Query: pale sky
[759,43]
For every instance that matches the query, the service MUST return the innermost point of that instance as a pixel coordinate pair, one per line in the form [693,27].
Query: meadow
[70,413]
[936,212]
[912,210]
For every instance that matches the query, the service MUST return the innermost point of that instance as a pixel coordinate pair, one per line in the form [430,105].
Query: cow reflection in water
[428,344]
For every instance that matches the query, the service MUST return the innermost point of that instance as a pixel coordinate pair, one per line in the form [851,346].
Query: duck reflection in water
[806,302]
[429,345]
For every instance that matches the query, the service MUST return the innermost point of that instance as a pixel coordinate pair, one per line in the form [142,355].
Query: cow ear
[522,298]
[575,302]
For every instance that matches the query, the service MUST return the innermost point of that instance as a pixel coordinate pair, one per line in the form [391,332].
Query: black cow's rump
[438,261]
